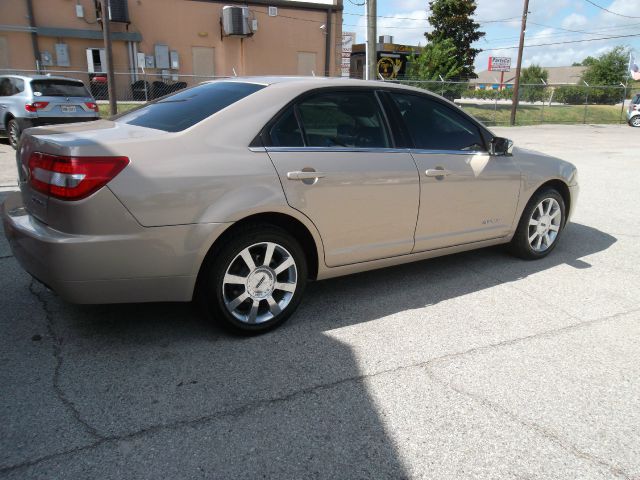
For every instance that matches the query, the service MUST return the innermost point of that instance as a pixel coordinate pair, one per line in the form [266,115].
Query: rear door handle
[304,175]
[435,172]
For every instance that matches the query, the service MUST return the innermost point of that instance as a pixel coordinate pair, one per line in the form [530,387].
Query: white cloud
[574,21]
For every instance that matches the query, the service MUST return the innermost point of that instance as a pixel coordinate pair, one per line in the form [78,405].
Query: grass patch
[122,107]
[537,114]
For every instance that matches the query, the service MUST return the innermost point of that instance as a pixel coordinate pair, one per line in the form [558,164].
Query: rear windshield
[59,88]
[182,110]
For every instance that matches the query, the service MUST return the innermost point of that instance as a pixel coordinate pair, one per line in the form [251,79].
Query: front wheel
[540,225]
[255,280]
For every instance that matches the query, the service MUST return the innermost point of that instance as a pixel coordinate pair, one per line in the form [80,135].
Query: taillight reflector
[92,106]
[35,106]
[72,178]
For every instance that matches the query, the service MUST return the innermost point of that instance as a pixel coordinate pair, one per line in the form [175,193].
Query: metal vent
[235,20]
[119,11]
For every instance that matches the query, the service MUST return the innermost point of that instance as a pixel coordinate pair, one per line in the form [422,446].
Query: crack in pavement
[6,256]
[57,354]
[539,429]
[101,440]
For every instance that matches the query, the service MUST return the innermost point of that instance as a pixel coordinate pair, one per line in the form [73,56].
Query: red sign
[499,64]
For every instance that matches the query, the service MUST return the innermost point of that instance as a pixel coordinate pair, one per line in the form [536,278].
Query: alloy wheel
[259,283]
[14,134]
[544,224]
[636,121]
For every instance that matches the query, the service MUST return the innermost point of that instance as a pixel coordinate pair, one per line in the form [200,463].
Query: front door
[466,194]
[336,161]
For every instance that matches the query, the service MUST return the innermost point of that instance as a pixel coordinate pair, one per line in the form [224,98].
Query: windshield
[182,110]
[59,88]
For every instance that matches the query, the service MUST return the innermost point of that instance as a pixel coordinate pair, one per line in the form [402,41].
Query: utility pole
[371,53]
[106,32]
[516,85]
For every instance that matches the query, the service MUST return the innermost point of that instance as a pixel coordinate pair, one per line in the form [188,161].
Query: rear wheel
[255,280]
[540,226]
[13,131]
[635,121]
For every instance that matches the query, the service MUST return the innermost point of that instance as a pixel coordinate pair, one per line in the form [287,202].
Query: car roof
[310,81]
[39,77]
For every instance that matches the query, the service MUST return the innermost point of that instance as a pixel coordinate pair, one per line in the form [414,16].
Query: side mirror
[500,146]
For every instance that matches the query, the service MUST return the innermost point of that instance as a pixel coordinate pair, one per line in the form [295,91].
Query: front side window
[342,119]
[434,126]
[59,88]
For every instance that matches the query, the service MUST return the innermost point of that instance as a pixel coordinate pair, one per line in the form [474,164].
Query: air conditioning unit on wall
[235,21]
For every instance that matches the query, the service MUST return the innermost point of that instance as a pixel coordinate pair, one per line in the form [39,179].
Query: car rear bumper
[42,121]
[152,265]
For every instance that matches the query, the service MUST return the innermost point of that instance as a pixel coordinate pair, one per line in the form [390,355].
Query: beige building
[171,39]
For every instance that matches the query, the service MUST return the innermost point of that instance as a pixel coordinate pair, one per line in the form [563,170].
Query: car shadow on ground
[291,403]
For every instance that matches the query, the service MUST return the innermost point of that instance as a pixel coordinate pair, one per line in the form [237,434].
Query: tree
[532,80]
[437,62]
[608,69]
[452,20]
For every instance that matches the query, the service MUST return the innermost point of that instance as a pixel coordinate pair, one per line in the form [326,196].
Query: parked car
[238,192]
[633,112]
[42,100]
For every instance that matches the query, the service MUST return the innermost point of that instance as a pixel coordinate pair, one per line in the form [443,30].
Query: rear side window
[11,86]
[434,126]
[286,131]
[184,109]
[342,119]
[59,88]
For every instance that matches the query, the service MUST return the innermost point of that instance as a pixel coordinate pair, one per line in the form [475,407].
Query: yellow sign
[389,67]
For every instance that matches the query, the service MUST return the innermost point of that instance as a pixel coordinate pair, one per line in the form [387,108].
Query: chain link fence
[489,103]
[132,88]
[537,104]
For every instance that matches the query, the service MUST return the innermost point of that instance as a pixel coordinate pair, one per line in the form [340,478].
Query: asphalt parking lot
[476,365]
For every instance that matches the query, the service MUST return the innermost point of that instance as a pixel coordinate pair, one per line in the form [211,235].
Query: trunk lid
[102,138]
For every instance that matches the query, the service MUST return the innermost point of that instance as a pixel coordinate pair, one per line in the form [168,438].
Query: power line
[597,31]
[608,11]
[563,43]
[482,22]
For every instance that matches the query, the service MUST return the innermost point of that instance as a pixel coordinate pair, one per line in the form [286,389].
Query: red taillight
[72,178]
[35,106]
[92,106]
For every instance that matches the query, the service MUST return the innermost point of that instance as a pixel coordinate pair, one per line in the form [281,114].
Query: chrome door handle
[435,172]
[304,175]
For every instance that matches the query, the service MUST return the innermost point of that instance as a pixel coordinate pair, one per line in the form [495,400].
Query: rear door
[62,98]
[337,163]
[466,195]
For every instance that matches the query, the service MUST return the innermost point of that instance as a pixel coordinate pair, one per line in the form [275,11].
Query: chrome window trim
[379,150]
[335,149]
[421,151]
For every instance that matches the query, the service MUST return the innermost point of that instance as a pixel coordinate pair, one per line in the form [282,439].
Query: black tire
[520,245]
[13,133]
[635,121]
[212,288]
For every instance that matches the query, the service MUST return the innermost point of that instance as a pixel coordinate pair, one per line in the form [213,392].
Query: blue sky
[549,21]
